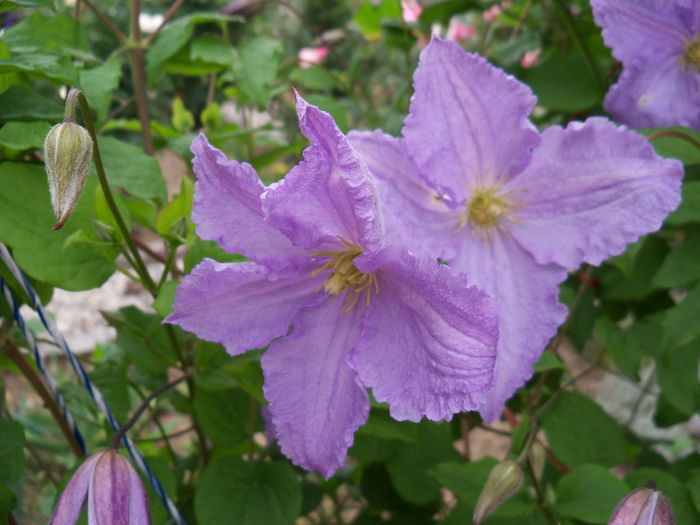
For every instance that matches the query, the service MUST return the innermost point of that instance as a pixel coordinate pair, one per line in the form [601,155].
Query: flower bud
[504,480]
[643,506]
[67,155]
[537,457]
[111,487]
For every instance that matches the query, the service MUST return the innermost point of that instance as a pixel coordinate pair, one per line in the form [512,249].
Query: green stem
[576,35]
[140,267]
[674,133]
[168,264]
[154,415]
[138,77]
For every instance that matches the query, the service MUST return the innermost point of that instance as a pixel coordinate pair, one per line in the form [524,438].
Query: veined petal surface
[468,120]
[315,399]
[529,310]
[227,209]
[108,497]
[241,305]
[72,501]
[329,193]
[428,340]
[415,216]
[139,509]
[591,189]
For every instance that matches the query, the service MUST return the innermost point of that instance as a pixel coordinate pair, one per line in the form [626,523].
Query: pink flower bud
[309,56]
[530,58]
[492,13]
[410,10]
[459,31]
[110,487]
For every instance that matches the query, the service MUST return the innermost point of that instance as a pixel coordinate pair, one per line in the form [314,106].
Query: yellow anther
[486,211]
[692,55]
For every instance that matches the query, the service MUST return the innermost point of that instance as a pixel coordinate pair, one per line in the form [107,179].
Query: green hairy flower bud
[67,155]
[504,480]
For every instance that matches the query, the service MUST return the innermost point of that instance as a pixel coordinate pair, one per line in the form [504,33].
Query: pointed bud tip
[504,480]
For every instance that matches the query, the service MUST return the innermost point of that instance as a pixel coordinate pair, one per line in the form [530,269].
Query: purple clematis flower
[658,43]
[475,183]
[364,312]
[112,489]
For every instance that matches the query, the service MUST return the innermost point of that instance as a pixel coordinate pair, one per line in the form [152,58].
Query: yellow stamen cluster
[345,275]
[486,210]
[692,55]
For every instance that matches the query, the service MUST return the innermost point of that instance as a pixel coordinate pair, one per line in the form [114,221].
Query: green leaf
[211,49]
[11,451]
[54,67]
[7,79]
[24,135]
[636,270]
[99,83]
[589,493]
[369,17]
[247,493]
[679,495]
[313,77]
[383,426]
[213,380]
[111,381]
[130,168]
[182,119]
[676,147]
[562,83]
[163,304]
[255,66]
[199,249]
[246,371]
[677,373]
[681,322]
[694,488]
[681,266]
[26,226]
[579,432]
[689,210]
[441,12]
[177,210]
[548,361]
[22,103]
[626,357]
[410,462]
[60,33]
[223,416]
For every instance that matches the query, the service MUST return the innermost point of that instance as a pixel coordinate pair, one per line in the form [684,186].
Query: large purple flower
[658,43]
[474,183]
[363,311]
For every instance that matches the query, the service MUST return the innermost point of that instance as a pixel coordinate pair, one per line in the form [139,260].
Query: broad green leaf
[6,79]
[130,168]
[22,103]
[689,210]
[677,373]
[59,33]
[182,119]
[410,462]
[681,266]
[223,416]
[182,63]
[579,432]
[441,12]
[99,83]
[330,104]
[11,451]
[26,226]
[694,487]
[381,425]
[24,135]
[255,66]
[111,381]
[369,17]
[213,380]
[626,357]
[679,495]
[211,49]
[589,493]
[246,371]
[548,361]
[199,250]
[247,493]
[562,83]
[8,501]
[163,304]
[674,146]
[54,67]
[104,214]
[636,273]
[211,116]
[681,323]
[313,77]
[377,489]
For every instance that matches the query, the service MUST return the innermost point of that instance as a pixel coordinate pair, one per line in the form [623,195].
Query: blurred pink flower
[492,13]
[459,31]
[530,58]
[411,10]
[309,56]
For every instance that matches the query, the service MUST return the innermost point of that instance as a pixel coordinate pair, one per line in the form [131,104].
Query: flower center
[486,210]
[692,55]
[345,276]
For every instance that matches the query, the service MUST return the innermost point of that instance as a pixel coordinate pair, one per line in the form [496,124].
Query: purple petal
[428,340]
[468,120]
[639,31]
[660,94]
[242,306]
[108,497]
[591,189]
[315,399]
[328,194]
[139,509]
[414,215]
[227,209]
[72,501]
[529,310]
